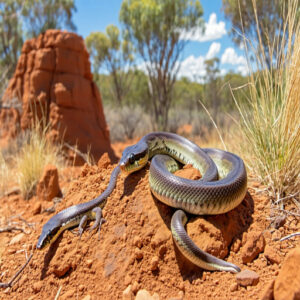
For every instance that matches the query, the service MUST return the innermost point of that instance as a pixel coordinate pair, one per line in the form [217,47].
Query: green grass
[270,120]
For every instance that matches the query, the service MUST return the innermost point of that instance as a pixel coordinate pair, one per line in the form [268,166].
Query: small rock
[271,255]
[138,254]
[255,244]
[36,209]
[89,263]
[145,295]
[160,237]
[127,279]
[234,287]
[154,263]
[16,239]
[287,283]
[81,287]
[247,278]
[268,291]
[61,269]
[137,242]
[87,297]
[37,286]
[127,293]
[48,186]
[162,251]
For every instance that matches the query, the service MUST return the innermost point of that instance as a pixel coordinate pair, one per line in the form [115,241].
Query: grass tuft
[270,119]
[36,152]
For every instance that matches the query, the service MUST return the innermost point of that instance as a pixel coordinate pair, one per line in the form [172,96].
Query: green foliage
[40,15]
[115,55]
[20,19]
[154,27]
[269,16]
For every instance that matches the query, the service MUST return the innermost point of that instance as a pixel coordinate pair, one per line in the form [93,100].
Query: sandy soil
[136,250]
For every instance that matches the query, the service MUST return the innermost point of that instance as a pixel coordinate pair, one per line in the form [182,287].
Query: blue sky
[95,15]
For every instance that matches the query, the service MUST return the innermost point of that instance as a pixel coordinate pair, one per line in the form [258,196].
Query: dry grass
[270,121]
[35,153]
[5,174]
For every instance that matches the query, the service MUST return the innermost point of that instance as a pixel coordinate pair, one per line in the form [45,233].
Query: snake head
[134,158]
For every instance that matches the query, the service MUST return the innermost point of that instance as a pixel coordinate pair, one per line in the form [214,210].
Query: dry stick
[11,228]
[9,284]
[289,236]
[58,292]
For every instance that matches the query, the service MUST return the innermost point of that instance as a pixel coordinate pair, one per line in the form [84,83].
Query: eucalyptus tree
[156,28]
[114,54]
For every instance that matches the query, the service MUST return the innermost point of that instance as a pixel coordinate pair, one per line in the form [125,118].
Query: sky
[95,15]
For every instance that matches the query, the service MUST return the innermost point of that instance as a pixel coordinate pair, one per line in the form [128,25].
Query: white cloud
[213,31]
[193,68]
[230,57]
[213,50]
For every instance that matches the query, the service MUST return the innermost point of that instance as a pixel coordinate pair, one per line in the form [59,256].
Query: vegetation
[154,28]
[271,118]
[117,56]
[22,19]
[36,151]
[267,27]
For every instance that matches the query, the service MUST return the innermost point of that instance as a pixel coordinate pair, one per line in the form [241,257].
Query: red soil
[136,250]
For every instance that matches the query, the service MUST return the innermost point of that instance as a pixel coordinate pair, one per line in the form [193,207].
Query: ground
[136,250]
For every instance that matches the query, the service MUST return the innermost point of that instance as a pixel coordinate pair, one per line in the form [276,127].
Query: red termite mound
[53,78]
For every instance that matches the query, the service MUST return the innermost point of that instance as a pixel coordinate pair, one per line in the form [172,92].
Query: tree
[155,28]
[270,17]
[40,15]
[212,97]
[115,55]
[20,19]
[10,35]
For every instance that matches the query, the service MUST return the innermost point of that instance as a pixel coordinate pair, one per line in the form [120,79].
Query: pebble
[234,287]
[154,263]
[138,254]
[145,295]
[16,239]
[247,278]
[127,293]
[255,244]
[271,255]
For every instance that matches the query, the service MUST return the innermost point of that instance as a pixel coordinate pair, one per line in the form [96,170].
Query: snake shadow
[232,226]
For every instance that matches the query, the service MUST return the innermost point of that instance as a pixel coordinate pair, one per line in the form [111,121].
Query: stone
[287,283]
[271,255]
[53,78]
[127,293]
[154,263]
[255,244]
[247,278]
[48,186]
[145,295]
[16,239]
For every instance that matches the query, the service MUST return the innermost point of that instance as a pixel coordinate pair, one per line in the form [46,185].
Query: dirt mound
[136,252]
[53,78]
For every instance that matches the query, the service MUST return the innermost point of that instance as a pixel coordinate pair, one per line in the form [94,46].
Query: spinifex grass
[271,119]
[36,152]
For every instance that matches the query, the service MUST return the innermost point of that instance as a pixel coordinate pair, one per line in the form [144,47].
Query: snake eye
[131,158]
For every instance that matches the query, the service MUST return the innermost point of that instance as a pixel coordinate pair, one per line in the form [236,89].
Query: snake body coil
[222,187]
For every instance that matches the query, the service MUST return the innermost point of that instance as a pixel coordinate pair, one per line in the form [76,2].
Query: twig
[11,228]
[287,197]
[289,236]
[9,284]
[58,292]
